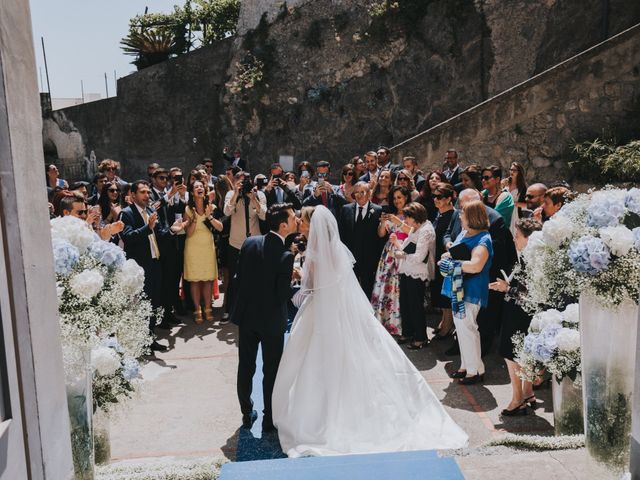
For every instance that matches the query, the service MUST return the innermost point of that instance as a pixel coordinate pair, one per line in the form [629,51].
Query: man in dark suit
[234,160]
[324,193]
[263,288]
[141,235]
[278,191]
[452,169]
[411,164]
[358,224]
[504,257]
[371,164]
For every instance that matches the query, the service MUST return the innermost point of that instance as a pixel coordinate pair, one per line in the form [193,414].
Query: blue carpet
[385,466]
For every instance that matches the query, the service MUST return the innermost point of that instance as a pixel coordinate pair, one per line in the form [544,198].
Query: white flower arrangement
[553,342]
[102,309]
[592,245]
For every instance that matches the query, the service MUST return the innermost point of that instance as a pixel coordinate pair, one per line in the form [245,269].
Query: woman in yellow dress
[200,263]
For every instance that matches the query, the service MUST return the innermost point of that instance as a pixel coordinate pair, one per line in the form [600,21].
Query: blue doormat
[418,465]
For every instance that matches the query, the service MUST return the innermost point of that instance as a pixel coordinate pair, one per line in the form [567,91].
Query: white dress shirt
[153,243]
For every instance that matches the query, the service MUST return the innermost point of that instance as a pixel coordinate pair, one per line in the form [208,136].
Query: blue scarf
[453,268]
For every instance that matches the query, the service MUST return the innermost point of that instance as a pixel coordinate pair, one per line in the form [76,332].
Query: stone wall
[251,12]
[536,122]
[336,82]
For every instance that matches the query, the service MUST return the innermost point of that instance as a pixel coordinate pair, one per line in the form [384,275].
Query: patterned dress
[385,298]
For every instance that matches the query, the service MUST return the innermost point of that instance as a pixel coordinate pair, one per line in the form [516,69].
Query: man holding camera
[245,206]
[278,191]
[324,193]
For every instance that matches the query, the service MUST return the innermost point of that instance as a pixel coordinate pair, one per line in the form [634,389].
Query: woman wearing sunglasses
[348,182]
[405,179]
[109,203]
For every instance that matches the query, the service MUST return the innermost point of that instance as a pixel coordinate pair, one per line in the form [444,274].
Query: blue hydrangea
[606,210]
[112,342]
[632,200]
[130,369]
[589,254]
[107,253]
[539,346]
[65,256]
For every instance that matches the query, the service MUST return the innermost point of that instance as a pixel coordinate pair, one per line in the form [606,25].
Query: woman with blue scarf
[467,284]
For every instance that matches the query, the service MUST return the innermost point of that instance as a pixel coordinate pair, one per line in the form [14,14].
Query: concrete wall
[38,432]
[536,122]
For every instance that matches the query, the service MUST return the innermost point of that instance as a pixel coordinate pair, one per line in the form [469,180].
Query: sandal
[208,314]
[197,316]
[418,345]
[532,401]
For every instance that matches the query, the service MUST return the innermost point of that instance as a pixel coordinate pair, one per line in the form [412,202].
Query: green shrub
[602,161]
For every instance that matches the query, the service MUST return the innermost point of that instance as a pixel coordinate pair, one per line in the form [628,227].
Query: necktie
[152,237]
[360,216]
[324,198]
[280,195]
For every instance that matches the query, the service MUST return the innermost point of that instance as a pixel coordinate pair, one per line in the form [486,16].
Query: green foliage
[602,161]
[250,72]
[260,59]
[149,46]
[202,23]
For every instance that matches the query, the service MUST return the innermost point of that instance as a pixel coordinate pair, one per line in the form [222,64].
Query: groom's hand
[296,274]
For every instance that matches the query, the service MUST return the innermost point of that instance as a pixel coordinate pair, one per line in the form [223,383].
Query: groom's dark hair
[277,214]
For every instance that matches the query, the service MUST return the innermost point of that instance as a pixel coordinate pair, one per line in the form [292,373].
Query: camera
[261,182]
[177,179]
[247,186]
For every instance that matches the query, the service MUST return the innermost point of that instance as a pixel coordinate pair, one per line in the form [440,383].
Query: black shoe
[170,319]
[459,374]
[268,427]
[472,380]
[454,350]
[418,345]
[516,412]
[249,418]
[164,325]
[156,347]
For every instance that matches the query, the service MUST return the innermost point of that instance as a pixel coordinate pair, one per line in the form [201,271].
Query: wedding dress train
[344,385]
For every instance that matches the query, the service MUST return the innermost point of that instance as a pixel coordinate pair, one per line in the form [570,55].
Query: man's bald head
[468,195]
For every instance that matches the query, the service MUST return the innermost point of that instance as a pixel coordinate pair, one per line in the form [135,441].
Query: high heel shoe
[515,412]
[197,316]
[459,374]
[472,379]
[532,401]
[208,314]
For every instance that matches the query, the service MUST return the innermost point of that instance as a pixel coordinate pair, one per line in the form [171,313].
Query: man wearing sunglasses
[324,193]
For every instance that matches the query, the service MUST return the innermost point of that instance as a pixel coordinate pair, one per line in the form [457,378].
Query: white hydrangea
[619,239]
[572,313]
[131,277]
[73,230]
[557,230]
[87,284]
[568,340]
[534,247]
[544,319]
[105,361]
[59,290]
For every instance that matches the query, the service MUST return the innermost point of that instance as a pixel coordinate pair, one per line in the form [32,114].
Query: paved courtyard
[188,408]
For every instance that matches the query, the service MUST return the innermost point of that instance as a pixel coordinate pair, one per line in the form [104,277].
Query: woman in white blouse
[417,266]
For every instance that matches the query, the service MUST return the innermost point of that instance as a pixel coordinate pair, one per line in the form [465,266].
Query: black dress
[440,225]
[514,318]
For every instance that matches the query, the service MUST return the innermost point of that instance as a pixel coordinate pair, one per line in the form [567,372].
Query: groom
[263,282]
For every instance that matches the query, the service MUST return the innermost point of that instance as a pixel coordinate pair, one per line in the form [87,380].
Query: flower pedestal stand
[80,404]
[568,416]
[608,363]
[101,438]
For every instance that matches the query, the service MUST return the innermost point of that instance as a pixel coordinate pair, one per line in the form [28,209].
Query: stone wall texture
[536,122]
[337,82]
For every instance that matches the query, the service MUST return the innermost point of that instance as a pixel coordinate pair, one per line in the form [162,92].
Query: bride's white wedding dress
[344,385]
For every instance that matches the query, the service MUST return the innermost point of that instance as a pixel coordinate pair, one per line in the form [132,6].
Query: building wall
[535,123]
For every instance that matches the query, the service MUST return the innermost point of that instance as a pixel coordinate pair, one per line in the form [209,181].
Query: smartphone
[178,179]
[304,174]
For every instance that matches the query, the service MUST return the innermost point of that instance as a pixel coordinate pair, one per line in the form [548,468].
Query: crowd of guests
[451,236]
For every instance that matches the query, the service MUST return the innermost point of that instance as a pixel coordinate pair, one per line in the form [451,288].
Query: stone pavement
[188,408]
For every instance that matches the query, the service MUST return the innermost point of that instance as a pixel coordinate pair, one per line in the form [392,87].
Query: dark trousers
[232,265]
[153,286]
[414,322]
[272,346]
[489,320]
[170,278]
[367,280]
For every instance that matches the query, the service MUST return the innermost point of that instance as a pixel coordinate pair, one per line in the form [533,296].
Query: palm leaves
[150,46]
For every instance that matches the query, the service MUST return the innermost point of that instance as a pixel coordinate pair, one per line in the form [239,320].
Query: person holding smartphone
[277,190]
[324,193]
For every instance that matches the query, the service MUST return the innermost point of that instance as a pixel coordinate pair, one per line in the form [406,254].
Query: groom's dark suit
[263,283]
[361,237]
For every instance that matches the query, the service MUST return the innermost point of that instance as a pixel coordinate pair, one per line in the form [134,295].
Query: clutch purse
[460,252]
[410,249]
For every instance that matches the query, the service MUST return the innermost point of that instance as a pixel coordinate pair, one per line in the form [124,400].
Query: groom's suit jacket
[262,284]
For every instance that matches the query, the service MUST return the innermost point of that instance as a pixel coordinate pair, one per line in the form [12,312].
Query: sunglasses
[528,195]
[486,177]
[208,166]
[348,174]
[162,177]
[323,175]
[112,190]
[82,212]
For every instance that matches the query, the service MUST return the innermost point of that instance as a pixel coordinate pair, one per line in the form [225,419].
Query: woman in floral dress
[385,299]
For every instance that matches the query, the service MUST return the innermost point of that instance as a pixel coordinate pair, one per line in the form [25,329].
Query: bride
[344,385]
